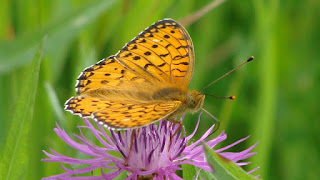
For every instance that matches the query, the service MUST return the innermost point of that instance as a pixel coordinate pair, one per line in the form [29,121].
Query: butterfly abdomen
[171,93]
[123,95]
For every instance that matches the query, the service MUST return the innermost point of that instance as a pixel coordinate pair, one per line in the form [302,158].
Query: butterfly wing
[86,106]
[136,115]
[161,53]
[108,74]
[164,52]
[117,115]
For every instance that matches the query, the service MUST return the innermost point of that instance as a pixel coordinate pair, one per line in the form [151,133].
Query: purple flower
[156,152]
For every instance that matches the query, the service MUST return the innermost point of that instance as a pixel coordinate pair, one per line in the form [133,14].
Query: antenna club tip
[250,58]
[232,97]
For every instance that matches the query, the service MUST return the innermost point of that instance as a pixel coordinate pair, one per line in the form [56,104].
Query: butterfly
[146,81]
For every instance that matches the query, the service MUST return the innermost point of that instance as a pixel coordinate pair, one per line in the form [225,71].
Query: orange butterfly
[143,83]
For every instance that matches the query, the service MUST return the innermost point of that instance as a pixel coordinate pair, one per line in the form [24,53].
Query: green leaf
[224,168]
[207,175]
[60,33]
[14,161]
[189,171]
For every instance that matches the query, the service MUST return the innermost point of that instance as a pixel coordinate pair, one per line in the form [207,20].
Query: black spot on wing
[147,65]
[181,63]
[178,57]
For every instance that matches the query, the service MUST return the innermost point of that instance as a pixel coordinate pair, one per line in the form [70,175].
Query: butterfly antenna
[222,97]
[217,124]
[226,74]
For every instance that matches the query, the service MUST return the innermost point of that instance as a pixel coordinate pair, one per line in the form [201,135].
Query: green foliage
[223,168]
[189,171]
[14,154]
[277,93]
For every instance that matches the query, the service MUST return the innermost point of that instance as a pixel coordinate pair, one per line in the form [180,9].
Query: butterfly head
[195,100]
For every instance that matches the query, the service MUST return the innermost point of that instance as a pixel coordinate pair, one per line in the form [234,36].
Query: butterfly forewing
[108,74]
[163,51]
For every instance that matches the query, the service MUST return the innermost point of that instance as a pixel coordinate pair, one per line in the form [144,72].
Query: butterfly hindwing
[136,115]
[118,115]
[163,51]
[85,106]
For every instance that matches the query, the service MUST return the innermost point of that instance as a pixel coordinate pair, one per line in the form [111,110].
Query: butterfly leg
[172,122]
[175,121]
[133,134]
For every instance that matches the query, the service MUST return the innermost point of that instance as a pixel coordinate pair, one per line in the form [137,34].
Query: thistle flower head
[152,152]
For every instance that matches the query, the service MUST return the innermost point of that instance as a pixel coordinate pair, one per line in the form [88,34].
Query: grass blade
[15,149]
[55,104]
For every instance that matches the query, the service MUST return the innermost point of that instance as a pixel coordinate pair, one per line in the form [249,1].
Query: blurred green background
[277,94]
